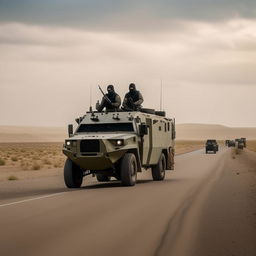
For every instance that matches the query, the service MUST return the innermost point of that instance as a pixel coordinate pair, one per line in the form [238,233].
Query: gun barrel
[105,96]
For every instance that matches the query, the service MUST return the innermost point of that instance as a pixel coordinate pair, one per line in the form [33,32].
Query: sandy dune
[220,132]
[32,134]
[184,132]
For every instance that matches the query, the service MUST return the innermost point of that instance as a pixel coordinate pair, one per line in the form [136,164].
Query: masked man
[111,101]
[133,99]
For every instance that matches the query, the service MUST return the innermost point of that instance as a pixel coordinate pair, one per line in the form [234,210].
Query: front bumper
[94,161]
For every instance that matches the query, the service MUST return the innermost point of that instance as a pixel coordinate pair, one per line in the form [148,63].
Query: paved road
[42,217]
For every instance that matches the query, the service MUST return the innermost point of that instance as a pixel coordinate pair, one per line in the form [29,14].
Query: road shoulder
[228,221]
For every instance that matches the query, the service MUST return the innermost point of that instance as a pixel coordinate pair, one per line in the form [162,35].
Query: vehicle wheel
[158,171]
[102,177]
[128,170]
[214,151]
[73,176]
[206,152]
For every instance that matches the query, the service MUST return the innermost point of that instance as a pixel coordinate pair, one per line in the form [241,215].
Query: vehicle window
[113,127]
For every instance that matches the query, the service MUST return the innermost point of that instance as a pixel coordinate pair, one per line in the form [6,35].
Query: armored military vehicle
[119,144]
[231,143]
[243,140]
[211,145]
[239,143]
[227,142]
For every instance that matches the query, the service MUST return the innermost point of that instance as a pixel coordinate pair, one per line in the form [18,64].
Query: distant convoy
[211,145]
[239,143]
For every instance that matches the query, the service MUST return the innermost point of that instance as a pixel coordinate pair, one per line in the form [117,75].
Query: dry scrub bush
[26,154]
[183,146]
[14,158]
[2,162]
[36,167]
[12,177]
[47,161]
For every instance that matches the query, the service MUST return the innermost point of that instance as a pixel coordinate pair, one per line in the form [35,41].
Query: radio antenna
[161,96]
[90,109]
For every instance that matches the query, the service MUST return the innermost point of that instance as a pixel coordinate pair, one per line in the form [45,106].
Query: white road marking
[32,199]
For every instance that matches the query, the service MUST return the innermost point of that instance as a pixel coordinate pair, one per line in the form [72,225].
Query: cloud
[48,71]
[199,52]
[120,15]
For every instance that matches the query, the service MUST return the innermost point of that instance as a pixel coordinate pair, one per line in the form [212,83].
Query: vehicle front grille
[89,146]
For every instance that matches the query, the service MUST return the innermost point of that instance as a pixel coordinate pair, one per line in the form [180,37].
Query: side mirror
[143,130]
[70,130]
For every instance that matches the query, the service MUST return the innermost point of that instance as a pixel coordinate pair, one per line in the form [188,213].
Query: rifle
[105,96]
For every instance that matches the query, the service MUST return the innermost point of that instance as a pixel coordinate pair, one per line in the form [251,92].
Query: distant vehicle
[231,143]
[119,144]
[227,142]
[211,145]
[244,141]
[240,144]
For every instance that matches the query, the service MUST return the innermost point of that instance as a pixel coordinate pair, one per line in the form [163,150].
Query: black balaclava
[111,89]
[132,88]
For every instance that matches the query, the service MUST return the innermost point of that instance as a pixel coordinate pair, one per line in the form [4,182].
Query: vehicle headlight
[119,142]
[70,143]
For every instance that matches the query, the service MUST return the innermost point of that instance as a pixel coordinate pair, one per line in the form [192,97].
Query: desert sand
[28,160]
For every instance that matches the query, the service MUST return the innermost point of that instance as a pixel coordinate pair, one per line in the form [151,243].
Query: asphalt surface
[42,217]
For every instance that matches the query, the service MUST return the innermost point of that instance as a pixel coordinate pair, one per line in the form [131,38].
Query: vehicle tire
[158,171]
[206,152]
[73,176]
[128,170]
[102,177]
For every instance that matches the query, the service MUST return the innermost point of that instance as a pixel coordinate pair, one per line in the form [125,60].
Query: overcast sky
[53,51]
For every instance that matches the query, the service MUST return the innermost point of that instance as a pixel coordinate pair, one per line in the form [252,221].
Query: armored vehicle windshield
[211,141]
[106,127]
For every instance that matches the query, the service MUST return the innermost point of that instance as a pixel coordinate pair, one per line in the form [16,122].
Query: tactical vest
[134,96]
[112,97]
